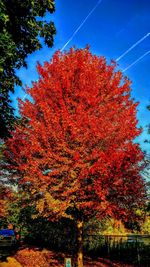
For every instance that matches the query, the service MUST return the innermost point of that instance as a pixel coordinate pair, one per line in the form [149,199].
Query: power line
[133,46]
[136,61]
[82,23]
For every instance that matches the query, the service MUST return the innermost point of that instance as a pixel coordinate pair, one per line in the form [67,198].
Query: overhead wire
[81,24]
[121,56]
[133,46]
[136,61]
[75,32]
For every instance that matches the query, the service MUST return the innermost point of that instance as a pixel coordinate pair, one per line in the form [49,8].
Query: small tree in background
[5,194]
[75,148]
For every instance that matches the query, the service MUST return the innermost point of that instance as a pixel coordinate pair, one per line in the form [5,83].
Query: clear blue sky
[113,27]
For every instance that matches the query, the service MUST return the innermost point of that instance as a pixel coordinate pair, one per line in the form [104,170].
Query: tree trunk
[80,243]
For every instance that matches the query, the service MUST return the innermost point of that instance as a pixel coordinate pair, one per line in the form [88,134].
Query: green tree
[20,211]
[21,25]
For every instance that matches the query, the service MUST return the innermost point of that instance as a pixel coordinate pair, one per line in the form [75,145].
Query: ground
[34,257]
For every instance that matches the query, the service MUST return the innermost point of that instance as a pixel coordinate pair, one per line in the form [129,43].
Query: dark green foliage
[60,235]
[148,127]
[21,25]
[148,107]
[148,208]
[7,117]
[21,213]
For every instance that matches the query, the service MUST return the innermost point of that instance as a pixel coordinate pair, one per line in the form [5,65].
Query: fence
[133,249]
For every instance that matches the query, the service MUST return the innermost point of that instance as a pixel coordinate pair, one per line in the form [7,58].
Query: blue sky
[113,27]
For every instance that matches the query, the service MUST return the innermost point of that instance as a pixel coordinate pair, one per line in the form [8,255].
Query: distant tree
[145,227]
[148,132]
[76,149]
[5,196]
[106,226]
[21,25]
[148,107]
[20,211]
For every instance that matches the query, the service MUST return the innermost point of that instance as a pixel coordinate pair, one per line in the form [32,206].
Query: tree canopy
[75,148]
[21,25]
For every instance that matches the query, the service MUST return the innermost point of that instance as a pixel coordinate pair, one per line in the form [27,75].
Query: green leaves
[20,28]
[48,32]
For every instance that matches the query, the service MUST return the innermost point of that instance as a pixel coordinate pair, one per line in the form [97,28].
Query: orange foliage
[10,262]
[5,197]
[35,258]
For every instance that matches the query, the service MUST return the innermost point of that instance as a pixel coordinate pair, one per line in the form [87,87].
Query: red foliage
[76,146]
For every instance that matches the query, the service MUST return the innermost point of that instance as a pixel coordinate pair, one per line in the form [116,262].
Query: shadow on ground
[35,257]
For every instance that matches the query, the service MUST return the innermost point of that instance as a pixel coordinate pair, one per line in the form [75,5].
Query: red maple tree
[75,145]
